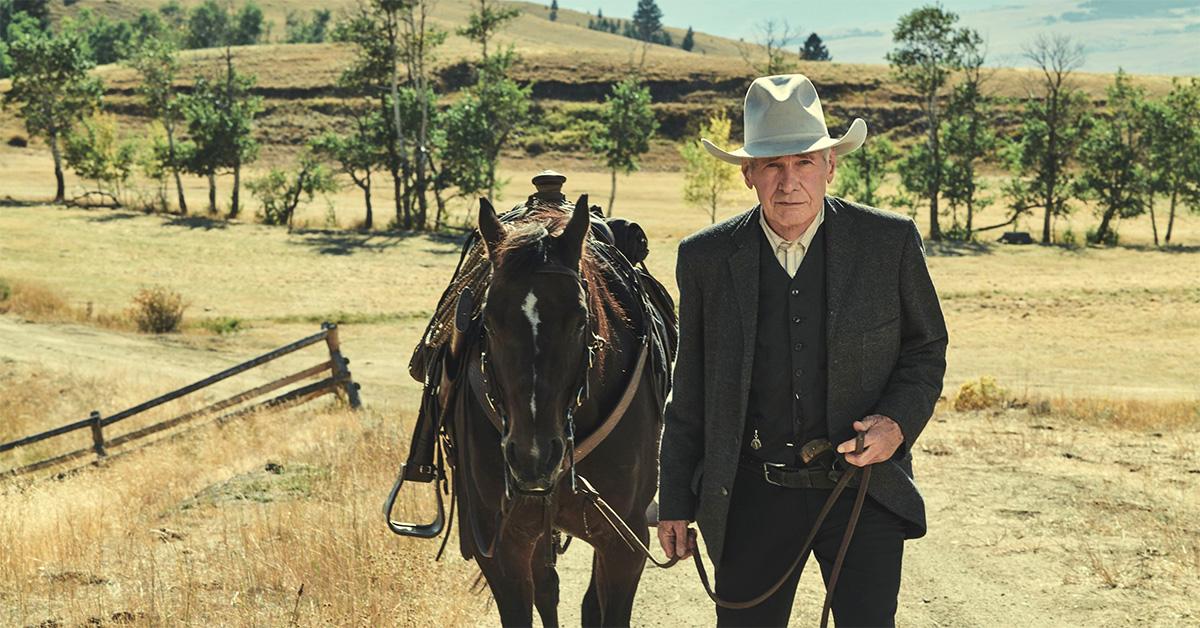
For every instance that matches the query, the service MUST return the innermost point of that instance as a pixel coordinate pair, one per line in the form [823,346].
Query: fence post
[97,434]
[340,370]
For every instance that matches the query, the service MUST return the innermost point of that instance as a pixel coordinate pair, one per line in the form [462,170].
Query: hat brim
[853,138]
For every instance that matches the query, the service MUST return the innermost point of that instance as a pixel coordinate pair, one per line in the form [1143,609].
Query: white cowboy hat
[783,117]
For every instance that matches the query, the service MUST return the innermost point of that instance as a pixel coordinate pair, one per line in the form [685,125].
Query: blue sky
[1143,36]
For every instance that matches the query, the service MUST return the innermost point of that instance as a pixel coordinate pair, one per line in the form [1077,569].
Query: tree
[553,10]
[1172,134]
[12,27]
[36,10]
[1113,160]
[107,41]
[928,48]
[310,31]
[814,49]
[356,153]
[207,26]
[486,21]
[969,139]
[627,124]
[689,40]
[707,181]
[861,173]
[1050,133]
[246,26]
[156,62]
[94,151]
[647,21]
[774,38]
[490,113]
[220,118]
[51,89]
[282,191]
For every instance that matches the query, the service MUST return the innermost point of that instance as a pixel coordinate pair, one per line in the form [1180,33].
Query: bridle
[493,391]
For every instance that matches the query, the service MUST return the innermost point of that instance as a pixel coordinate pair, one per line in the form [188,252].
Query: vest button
[795,292]
[799,346]
[796,319]
[799,372]
[724,491]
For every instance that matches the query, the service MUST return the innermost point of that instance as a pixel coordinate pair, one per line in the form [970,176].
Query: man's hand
[882,439]
[677,539]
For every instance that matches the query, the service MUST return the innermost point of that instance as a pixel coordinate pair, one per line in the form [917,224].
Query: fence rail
[338,382]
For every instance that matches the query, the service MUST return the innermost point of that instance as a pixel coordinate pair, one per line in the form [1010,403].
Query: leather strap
[599,434]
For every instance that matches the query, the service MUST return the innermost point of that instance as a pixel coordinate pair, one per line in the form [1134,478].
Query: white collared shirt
[791,252]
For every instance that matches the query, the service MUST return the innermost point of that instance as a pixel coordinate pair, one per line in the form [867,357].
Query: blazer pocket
[880,348]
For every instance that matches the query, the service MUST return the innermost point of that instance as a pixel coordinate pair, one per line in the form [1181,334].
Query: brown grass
[213,538]
[35,301]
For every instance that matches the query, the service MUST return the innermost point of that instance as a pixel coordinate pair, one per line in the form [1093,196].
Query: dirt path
[1034,521]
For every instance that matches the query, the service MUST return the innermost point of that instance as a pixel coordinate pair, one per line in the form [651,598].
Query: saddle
[454,334]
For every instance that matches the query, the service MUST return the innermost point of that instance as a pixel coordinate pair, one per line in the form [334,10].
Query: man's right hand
[677,539]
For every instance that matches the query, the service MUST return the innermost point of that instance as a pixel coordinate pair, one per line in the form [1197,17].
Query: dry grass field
[1068,500]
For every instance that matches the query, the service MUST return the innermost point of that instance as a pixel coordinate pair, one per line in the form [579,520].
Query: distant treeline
[401,128]
[207,25]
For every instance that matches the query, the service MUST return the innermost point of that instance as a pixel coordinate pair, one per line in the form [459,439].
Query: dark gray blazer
[886,355]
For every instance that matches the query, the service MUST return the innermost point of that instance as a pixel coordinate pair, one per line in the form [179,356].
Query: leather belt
[794,477]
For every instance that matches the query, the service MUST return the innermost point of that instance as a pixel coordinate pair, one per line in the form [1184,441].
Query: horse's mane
[525,247]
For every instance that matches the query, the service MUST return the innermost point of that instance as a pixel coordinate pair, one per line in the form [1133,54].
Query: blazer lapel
[841,255]
[743,271]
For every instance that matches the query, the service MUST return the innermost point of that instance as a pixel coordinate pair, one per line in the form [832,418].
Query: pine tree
[647,21]
[689,40]
[814,49]
[553,10]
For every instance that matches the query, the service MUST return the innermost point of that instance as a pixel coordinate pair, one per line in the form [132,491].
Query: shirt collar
[805,239]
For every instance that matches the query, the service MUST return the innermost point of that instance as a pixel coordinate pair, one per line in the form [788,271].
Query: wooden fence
[338,381]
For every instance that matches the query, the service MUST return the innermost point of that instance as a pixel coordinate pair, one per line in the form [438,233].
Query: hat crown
[781,107]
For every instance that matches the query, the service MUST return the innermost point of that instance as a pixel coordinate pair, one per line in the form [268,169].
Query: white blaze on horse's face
[529,307]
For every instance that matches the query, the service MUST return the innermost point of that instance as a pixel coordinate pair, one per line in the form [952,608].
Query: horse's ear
[489,225]
[573,235]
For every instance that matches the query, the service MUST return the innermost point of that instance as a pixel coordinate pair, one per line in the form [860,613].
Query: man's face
[791,188]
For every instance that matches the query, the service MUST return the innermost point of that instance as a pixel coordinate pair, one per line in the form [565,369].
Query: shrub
[5,290]
[1068,239]
[1110,237]
[157,310]
[223,325]
[980,394]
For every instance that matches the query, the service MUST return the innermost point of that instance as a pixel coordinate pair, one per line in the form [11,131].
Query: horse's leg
[591,615]
[511,582]
[619,573]
[545,583]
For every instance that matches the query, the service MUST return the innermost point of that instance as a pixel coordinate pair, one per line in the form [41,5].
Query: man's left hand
[883,437]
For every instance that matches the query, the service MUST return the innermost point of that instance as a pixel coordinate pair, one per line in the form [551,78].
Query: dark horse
[564,348]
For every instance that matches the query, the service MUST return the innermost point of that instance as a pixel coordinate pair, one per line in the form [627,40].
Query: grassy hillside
[570,67]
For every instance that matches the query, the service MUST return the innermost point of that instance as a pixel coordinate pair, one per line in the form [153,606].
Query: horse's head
[538,333]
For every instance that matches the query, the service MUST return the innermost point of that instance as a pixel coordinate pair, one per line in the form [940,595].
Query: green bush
[5,290]
[1110,238]
[223,325]
[157,310]
[1068,239]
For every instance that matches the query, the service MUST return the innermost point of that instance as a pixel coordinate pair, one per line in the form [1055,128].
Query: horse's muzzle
[534,471]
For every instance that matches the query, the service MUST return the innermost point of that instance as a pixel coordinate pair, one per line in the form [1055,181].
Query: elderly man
[803,322]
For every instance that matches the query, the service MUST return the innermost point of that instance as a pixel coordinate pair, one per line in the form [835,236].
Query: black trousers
[766,528]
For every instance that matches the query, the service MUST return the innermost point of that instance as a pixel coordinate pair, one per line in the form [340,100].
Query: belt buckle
[772,466]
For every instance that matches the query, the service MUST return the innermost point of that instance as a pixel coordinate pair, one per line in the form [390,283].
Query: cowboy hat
[783,117]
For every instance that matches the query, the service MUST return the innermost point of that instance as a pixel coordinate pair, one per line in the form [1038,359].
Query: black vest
[787,387]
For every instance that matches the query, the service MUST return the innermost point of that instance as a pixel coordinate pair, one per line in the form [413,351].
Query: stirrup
[423,531]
